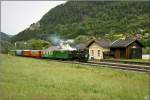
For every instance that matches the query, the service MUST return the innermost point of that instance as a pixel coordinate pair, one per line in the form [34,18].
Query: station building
[119,49]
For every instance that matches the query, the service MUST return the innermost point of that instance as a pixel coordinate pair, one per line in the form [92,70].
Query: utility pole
[25,43]
[15,45]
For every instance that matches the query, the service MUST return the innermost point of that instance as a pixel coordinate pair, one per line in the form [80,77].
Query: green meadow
[35,79]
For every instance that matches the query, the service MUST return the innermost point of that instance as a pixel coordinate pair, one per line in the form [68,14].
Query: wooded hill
[5,45]
[4,36]
[107,19]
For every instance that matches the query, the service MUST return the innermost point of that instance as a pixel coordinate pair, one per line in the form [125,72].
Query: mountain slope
[4,36]
[5,45]
[91,18]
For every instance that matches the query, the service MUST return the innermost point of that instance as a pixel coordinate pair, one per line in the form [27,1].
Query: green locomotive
[79,55]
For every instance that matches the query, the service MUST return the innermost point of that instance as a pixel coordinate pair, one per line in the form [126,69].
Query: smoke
[54,39]
[65,45]
[62,43]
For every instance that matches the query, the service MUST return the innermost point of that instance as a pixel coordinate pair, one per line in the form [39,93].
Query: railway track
[132,67]
[125,61]
[122,66]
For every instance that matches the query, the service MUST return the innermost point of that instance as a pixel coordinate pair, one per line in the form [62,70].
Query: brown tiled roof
[115,44]
[123,43]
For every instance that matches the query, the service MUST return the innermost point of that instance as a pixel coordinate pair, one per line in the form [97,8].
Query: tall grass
[36,79]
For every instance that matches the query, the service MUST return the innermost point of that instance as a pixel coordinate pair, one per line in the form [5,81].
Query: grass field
[35,79]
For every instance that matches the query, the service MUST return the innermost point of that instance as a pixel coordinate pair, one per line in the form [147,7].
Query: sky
[19,15]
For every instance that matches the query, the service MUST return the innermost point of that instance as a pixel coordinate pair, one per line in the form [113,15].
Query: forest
[81,20]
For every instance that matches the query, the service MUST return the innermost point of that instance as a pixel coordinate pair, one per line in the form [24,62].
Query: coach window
[98,52]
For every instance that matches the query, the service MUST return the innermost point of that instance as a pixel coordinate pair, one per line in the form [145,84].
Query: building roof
[124,43]
[52,48]
[102,43]
[80,46]
[115,44]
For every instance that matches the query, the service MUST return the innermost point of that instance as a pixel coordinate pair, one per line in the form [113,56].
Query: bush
[146,50]
[5,46]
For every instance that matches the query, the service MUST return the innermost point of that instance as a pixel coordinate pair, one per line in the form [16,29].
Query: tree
[81,39]
[38,44]
[5,46]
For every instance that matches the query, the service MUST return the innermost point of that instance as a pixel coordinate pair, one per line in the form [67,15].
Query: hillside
[4,36]
[5,45]
[92,18]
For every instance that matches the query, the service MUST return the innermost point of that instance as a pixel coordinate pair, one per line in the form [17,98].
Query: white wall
[145,56]
[96,47]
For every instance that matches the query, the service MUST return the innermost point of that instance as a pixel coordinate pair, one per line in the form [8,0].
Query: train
[77,55]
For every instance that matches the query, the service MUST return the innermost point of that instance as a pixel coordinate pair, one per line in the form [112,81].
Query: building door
[136,53]
[122,53]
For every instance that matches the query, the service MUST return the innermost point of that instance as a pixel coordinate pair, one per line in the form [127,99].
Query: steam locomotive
[78,55]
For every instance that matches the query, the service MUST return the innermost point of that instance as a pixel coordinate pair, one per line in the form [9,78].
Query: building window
[92,52]
[98,52]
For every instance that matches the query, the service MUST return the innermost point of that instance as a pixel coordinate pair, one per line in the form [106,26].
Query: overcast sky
[18,15]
